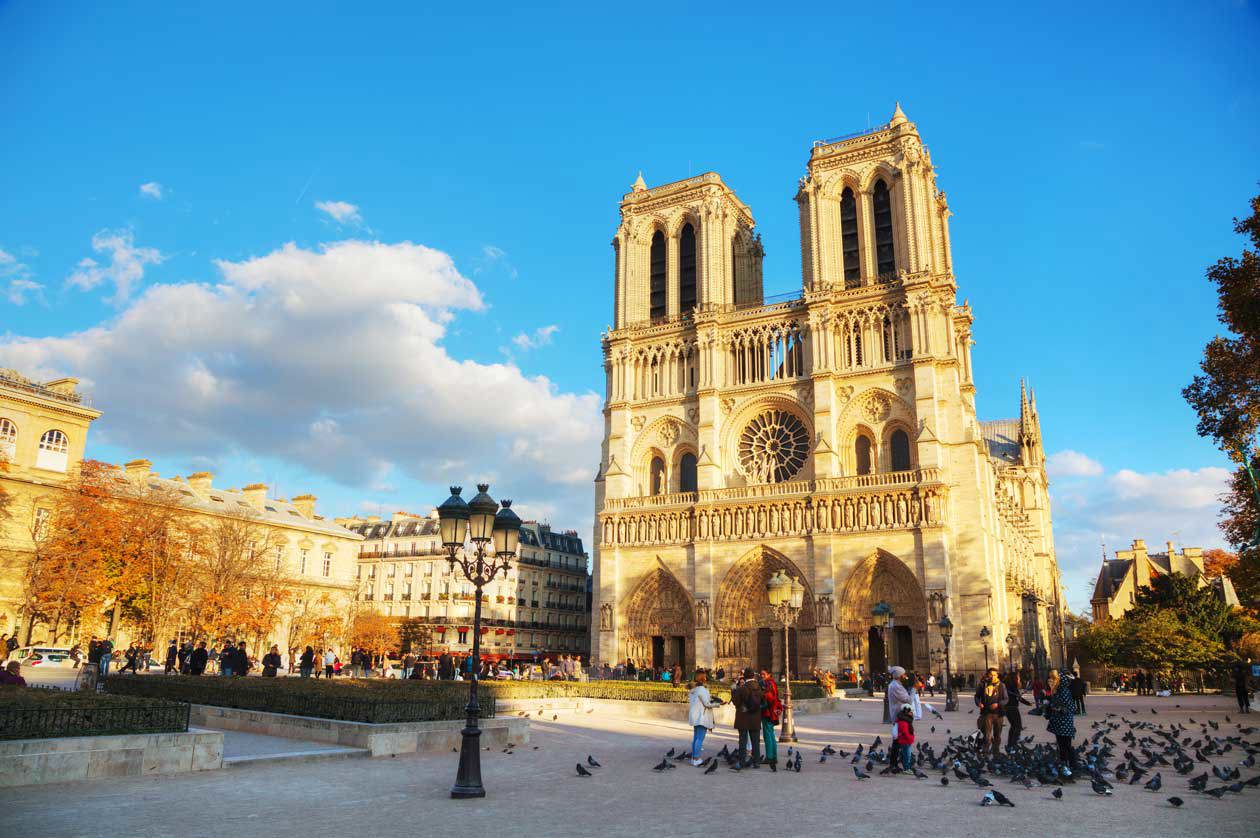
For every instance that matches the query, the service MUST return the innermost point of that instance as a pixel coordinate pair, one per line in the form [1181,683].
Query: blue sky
[469,168]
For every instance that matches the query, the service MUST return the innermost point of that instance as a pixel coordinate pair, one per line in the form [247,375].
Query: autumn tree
[1218,562]
[237,583]
[415,635]
[374,633]
[1226,395]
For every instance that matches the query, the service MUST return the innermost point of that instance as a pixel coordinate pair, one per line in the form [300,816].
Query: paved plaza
[536,792]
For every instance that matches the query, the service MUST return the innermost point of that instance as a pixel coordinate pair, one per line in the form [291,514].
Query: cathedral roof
[1001,436]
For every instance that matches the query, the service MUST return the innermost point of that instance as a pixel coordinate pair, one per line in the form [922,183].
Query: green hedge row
[27,713]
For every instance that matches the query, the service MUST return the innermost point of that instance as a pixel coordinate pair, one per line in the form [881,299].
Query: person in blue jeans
[901,758]
[700,715]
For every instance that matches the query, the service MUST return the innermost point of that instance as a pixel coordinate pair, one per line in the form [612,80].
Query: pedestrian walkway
[241,749]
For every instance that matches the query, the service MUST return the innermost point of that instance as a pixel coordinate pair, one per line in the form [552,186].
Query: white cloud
[16,282]
[1182,505]
[126,266]
[331,359]
[341,212]
[541,337]
[492,256]
[153,190]
[1071,463]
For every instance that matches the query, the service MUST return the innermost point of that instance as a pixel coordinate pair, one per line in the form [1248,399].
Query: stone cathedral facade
[833,435]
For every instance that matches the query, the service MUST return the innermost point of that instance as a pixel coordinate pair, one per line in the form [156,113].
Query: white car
[41,658]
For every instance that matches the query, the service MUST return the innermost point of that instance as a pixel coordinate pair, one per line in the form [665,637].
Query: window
[279,556]
[852,264]
[687,473]
[8,439]
[863,454]
[389,590]
[886,331]
[687,268]
[41,522]
[656,477]
[463,635]
[302,561]
[853,346]
[657,277]
[328,564]
[53,451]
[900,448]
[885,258]
[406,595]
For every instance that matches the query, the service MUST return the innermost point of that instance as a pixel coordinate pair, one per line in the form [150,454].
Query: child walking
[901,758]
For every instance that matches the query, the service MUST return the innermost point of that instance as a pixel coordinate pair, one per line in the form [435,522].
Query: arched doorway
[882,577]
[746,632]
[659,621]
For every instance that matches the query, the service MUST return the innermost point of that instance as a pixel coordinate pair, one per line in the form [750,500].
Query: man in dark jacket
[992,699]
[747,700]
[1078,692]
[446,667]
[197,660]
[240,666]
[172,655]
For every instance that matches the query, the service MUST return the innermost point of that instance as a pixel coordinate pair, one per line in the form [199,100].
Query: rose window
[773,447]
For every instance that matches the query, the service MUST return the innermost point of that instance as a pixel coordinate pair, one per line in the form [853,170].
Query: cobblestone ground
[536,792]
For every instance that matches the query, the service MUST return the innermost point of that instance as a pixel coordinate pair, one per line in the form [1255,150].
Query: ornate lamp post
[786,597]
[1010,653]
[480,521]
[984,638]
[947,631]
[885,611]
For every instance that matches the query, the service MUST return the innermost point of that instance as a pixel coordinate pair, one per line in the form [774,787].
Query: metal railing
[80,717]
[41,390]
[850,136]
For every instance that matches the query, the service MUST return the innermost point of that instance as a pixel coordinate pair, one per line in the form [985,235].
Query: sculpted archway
[656,615]
[882,577]
[743,616]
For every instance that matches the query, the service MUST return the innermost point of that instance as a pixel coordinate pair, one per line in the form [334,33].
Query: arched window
[849,239]
[887,330]
[53,451]
[657,283]
[862,451]
[8,439]
[656,477]
[687,269]
[885,258]
[899,446]
[687,473]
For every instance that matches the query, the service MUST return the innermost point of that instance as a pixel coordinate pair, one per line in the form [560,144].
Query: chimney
[255,494]
[201,481]
[63,386]
[138,469]
[1169,546]
[305,504]
[1139,544]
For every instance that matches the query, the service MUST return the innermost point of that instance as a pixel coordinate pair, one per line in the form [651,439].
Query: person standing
[446,667]
[1242,691]
[1059,712]
[107,655]
[991,699]
[770,715]
[1078,692]
[132,658]
[330,660]
[241,665]
[198,659]
[700,715]
[271,662]
[900,759]
[747,699]
[172,658]
[1014,720]
[306,662]
[10,644]
[409,663]
[895,695]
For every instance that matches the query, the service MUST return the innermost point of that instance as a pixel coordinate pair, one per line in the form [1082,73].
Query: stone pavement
[536,792]
[240,748]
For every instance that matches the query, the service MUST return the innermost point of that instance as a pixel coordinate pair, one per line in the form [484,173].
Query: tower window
[862,451]
[900,449]
[656,477]
[687,268]
[849,239]
[657,283]
[884,256]
[687,473]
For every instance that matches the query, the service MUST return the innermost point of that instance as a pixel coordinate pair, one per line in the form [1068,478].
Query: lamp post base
[468,780]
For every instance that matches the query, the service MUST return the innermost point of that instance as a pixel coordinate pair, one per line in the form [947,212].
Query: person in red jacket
[900,759]
[772,710]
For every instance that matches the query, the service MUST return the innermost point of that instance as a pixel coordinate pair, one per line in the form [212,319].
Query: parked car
[43,657]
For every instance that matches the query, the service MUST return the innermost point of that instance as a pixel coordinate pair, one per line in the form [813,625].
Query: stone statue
[702,613]
[606,617]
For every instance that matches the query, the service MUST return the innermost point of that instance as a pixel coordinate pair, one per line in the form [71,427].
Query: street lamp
[482,522]
[1010,653]
[984,638]
[786,596]
[947,631]
[883,609]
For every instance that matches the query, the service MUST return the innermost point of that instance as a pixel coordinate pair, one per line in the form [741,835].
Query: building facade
[832,434]
[540,609]
[1115,592]
[43,433]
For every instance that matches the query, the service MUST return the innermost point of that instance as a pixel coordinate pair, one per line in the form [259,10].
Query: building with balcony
[830,433]
[541,609]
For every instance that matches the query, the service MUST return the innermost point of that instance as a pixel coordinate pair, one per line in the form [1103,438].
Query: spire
[639,185]
[898,117]
[1025,410]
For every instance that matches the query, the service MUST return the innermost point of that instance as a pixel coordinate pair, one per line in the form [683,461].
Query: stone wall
[26,762]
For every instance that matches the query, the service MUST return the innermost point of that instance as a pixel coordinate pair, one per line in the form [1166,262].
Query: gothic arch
[659,607]
[881,577]
[743,608]
[874,173]
[744,414]
[835,183]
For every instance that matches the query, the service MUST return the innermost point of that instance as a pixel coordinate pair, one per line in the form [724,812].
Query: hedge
[30,713]
[343,699]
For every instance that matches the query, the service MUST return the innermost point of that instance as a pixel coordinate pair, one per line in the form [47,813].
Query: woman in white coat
[700,714]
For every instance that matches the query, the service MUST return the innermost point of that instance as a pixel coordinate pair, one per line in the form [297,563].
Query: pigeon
[590,760]
[1100,788]
[1002,800]
[827,750]
[1154,783]
[857,772]
[1177,802]
[1057,794]
[582,772]
[707,760]
[944,781]
[711,768]
[553,718]
[1217,792]
[822,758]
[797,764]
[670,752]
[661,766]
[735,766]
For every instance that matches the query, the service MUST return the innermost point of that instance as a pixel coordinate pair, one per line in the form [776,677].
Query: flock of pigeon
[1119,751]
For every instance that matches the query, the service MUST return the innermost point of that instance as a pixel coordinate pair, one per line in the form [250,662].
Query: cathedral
[830,433]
